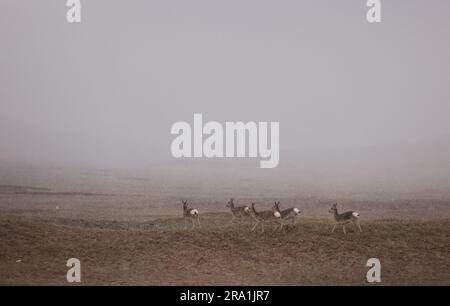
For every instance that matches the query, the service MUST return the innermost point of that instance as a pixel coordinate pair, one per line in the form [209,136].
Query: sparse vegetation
[161,252]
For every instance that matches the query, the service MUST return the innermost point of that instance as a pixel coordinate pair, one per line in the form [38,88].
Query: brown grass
[161,253]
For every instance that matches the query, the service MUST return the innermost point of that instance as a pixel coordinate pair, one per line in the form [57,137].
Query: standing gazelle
[191,214]
[344,218]
[264,216]
[286,214]
[238,212]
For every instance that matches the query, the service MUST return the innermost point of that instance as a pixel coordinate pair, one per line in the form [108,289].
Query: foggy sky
[106,92]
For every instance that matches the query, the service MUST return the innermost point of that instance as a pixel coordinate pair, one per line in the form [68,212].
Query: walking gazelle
[344,218]
[286,214]
[238,212]
[191,214]
[264,216]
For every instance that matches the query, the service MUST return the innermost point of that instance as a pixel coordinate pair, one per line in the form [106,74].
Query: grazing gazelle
[344,218]
[264,216]
[238,212]
[191,214]
[286,214]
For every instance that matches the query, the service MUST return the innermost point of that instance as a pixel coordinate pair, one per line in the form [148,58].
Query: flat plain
[129,231]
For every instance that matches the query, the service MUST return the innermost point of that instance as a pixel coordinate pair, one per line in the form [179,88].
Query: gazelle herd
[276,215]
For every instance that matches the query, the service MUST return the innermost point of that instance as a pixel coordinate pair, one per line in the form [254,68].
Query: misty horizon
[353,99]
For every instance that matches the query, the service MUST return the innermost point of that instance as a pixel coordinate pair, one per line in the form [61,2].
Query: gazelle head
[333,209]
[276,206]
[184,204]
[230,203]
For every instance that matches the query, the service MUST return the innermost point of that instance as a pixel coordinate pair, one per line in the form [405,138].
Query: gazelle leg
[343,228]
[193,224]
[262,227]
[239,220]
[334,227]
[185,223]
[275,228]
[356,225]
[198,221]
[254,226]
[231,221]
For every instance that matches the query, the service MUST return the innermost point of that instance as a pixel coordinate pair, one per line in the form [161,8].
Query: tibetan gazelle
[238,212]
[264,216]
[344,218]
[286,214]
[190,213]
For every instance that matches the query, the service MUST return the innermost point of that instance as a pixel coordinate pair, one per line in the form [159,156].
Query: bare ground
[34,252]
